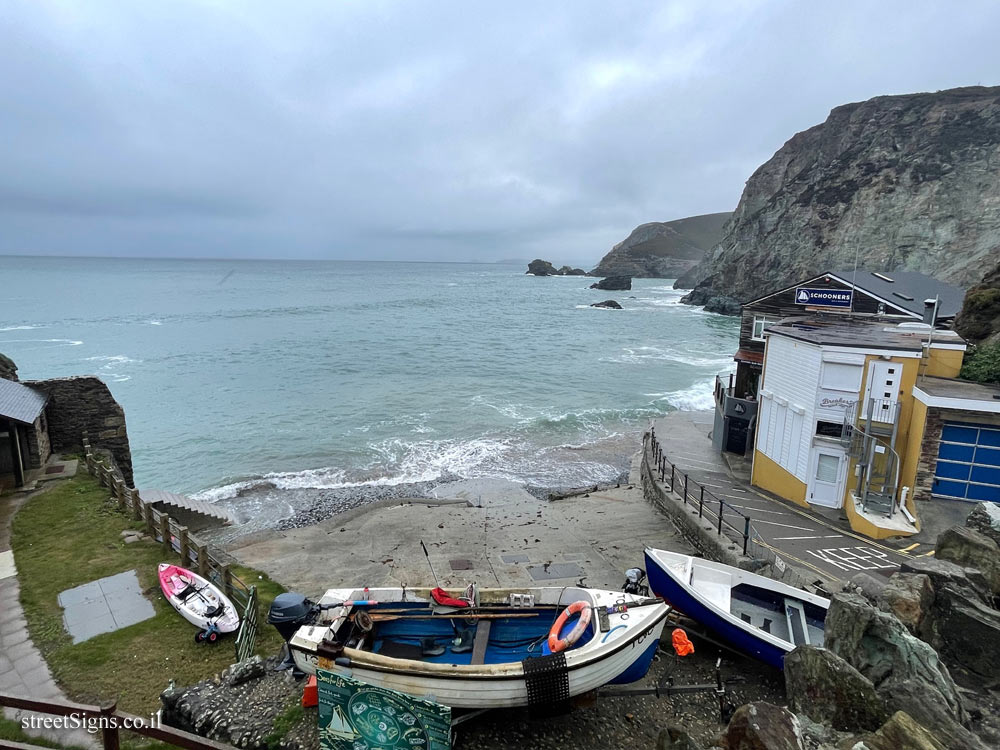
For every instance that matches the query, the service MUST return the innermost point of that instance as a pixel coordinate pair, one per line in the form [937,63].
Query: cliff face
[905,182]
[663,249]
[979,319]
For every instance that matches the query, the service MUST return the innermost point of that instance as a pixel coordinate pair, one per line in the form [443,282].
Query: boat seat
[481,642]
[798,630]
[719,594]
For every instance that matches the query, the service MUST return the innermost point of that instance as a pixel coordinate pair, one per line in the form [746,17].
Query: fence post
[721,504]
[203,561]
[685,489]
[701,501]
[671,477]
[147,517]
[185,549]
[165,532]
[120,491]
[663,466]
[136,505]
[227,580]
[746,533]
[109,728]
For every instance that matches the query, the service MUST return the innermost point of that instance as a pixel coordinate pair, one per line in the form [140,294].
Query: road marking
[804,563]
[854,558]
[783,525]
[760,510]
[790,538]
[912,546]
[7,568]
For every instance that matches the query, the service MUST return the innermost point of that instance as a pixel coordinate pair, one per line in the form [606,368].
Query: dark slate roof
[837,330]
[907,289]
[19,402]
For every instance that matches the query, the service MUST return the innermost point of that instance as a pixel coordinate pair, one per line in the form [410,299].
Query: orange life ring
[557,644]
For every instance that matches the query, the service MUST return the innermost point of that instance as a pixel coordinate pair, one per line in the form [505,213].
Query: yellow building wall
[910,452]
[943,363]
[770,476]
[909,432]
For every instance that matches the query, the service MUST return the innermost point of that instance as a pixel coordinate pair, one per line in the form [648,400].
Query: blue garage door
[968,466]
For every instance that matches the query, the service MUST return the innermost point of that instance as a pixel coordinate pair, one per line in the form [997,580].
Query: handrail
[706,501]
[110,721]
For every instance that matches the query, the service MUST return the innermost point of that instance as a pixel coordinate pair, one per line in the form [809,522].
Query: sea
[287,390]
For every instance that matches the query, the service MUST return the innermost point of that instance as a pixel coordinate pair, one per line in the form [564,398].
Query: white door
[883,387]
[827,485]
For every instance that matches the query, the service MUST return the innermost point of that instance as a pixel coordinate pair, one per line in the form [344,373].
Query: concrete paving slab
[104,606]
[555,571]
[514,559]
[7,568]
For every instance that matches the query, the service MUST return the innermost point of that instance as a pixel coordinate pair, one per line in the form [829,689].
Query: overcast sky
[427,130]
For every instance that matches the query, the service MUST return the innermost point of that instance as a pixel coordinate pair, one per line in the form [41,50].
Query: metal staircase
[870,437]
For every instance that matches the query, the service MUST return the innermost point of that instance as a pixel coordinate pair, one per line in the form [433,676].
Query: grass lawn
[71,535]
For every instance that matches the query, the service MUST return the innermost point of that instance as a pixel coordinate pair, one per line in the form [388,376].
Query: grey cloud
[438,130]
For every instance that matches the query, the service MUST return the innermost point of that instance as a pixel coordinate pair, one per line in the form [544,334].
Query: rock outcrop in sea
[663,249]
[608,303]
[614,284]
[899,182]
[539,267]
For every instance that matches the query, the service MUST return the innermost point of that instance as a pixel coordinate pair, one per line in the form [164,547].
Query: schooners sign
[823,297]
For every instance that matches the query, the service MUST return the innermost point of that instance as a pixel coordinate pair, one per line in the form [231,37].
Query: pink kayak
[199,601]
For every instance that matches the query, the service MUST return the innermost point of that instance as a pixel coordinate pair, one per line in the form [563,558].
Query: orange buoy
[682,645]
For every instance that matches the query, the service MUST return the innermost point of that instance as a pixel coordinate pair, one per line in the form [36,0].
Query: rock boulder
[985,518]
[901,732]
[569,271]
[970,549]
[614,283]
[764,726]
[827,689]
[608,303]
[673,738]
[909,597]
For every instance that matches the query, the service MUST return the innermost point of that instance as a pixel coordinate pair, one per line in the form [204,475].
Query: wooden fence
[175,538]
[109,721]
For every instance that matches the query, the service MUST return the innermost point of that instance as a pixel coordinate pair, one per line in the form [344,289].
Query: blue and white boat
[493,654]
[757,615]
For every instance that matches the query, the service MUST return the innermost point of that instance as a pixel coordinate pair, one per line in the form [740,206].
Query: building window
[759,322]
[829,429]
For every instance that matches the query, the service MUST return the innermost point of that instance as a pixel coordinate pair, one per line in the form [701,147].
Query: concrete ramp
[195,514]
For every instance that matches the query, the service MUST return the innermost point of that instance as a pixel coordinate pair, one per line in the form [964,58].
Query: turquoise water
[322,375]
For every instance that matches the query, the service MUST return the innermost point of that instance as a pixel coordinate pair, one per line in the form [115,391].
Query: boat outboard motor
[634,578]
[288,613]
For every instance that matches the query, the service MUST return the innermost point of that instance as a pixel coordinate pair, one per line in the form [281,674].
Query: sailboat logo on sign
[824,297]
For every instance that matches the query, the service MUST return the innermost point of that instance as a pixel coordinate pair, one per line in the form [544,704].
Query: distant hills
[664,249]
[897,182]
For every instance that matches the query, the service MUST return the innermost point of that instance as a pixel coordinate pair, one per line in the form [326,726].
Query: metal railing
[736,525]
[209,563]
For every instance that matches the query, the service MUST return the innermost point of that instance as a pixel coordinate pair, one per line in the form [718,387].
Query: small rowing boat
[503,648]
[754,614]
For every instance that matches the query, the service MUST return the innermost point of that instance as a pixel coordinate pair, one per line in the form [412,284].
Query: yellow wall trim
[769,476]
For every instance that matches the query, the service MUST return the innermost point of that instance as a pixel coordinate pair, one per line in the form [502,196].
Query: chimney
[930,311]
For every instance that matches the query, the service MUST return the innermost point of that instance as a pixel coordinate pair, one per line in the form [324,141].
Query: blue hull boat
[753,614]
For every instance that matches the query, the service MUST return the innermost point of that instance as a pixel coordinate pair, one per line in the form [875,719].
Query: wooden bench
[482,641]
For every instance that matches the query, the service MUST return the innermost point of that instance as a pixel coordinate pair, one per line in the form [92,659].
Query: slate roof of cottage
[19,402]
[907,289]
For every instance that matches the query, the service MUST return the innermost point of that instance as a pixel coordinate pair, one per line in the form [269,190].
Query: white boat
[757,615]
[491,655]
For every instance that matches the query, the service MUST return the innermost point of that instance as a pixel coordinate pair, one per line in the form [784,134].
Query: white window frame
[764,320]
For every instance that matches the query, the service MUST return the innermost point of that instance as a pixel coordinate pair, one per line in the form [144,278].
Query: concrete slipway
[494,534]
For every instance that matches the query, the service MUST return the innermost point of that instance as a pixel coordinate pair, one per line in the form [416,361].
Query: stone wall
[936,418]
[84,405]
[39,444]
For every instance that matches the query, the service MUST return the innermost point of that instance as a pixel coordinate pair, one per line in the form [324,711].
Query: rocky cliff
[979,319]
[902,182]
[663,249]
